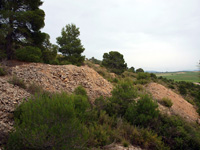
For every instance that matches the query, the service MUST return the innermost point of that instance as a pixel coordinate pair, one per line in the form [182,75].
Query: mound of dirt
[180,106]
[55,78]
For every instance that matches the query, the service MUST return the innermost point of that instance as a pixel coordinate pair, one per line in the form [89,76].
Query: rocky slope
[56,78]
[180,106]
[51,78]
[10,97]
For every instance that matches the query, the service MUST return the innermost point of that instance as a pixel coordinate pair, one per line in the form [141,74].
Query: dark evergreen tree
[139,70]
[132,69]
[20,24]
[114,61]
[70,44]
[49,50]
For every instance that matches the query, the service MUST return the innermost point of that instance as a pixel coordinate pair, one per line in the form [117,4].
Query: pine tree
[20,24]
[70,44]
[115,62]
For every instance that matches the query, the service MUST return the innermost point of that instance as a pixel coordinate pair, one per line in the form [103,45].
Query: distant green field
[181,76]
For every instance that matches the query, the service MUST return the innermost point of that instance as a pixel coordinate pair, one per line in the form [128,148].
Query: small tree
[139,70]
[144,112]
[70,44]
[132,69]
[114,61]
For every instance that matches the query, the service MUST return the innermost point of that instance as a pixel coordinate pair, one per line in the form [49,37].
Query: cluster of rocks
[10,97]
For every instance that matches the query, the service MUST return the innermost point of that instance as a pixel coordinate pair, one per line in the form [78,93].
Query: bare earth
[180,106]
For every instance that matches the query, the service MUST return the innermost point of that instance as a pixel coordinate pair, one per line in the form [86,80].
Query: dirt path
[180,106]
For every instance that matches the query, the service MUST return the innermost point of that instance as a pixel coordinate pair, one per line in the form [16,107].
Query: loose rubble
[10,97]
[56,78]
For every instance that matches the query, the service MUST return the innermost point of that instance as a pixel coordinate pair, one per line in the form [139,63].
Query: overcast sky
[161,35]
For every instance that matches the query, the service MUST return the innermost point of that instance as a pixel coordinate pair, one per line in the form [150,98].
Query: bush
[142,75]
[29,53]
[167,102]
[122,95]
[2,72]
[48,123]
[143,113]
[35,89]
[139,70]
[16,81]
[182,90]
[80,91]
[177,133]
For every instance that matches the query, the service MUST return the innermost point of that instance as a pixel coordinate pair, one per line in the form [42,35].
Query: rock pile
[55,78]
[10,97]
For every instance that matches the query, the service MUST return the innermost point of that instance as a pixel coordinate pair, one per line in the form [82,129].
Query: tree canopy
[70,44]
[114,61]
[20,24]
[139,70]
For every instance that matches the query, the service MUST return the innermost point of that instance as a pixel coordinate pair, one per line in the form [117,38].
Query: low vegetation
[2,71]
[63,121]
[17,81]
[167,102]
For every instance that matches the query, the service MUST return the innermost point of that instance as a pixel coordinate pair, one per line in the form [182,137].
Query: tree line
[21,38]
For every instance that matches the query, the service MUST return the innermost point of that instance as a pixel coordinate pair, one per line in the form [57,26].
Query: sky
[156,35]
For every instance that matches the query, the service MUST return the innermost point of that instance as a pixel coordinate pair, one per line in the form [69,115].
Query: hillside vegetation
[129,115]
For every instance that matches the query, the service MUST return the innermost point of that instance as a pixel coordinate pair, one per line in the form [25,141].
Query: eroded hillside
[180,106]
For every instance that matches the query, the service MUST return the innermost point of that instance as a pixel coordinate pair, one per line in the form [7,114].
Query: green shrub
[143,75]
[48,123]
[99,135]
[80,91]
[139,70]
[182,90]
[2,71]
[143,112]
[167,102]
[16,81]
[145,138]
[139,87]
[29,53]
[125,144]
[176,133]
[49,56]
[122,95]
[37,90]
[142,81]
